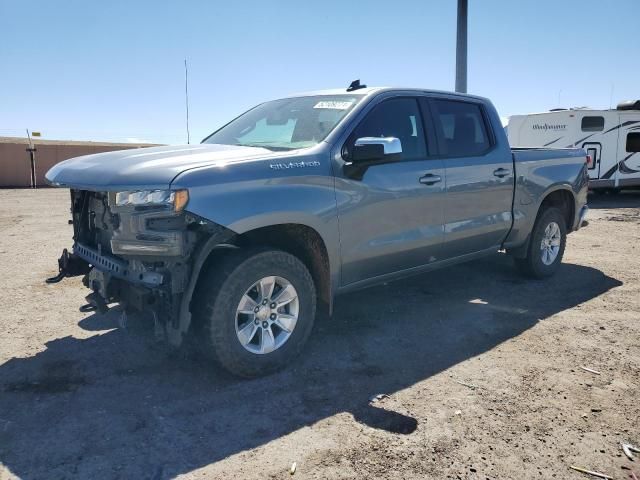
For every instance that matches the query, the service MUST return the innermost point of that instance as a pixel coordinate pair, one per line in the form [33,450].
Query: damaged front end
[140,249]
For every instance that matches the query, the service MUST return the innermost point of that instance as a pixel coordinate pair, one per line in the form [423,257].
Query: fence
[15,162]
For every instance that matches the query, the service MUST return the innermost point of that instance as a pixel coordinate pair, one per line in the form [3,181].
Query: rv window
[592,124]
[633,142]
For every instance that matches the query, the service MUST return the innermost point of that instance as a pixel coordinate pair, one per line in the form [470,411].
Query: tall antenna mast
[186,97]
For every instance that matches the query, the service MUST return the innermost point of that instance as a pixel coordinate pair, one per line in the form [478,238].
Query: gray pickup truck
[238,241]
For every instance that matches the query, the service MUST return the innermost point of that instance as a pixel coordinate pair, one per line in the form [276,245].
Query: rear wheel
[256,310]
[546,247]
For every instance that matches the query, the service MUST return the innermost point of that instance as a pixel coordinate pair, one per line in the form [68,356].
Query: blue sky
[113,70]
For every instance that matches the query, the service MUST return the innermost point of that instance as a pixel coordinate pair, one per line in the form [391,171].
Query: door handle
[430,179]
[502,172]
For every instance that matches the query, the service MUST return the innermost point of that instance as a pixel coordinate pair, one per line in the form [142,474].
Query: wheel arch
[559,196]
[564,200]
[300,240]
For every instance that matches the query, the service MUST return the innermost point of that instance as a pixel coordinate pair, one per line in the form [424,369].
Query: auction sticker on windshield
[334,105]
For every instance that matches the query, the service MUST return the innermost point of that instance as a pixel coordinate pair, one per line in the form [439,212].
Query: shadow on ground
[623,199]
[116,406]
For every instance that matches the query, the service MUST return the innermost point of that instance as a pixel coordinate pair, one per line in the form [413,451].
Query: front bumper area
[136,285]
[145,259]
[118,267]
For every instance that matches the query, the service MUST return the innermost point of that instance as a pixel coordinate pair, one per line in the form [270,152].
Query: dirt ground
[481,368]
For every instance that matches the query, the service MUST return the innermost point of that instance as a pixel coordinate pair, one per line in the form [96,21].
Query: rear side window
[592,124]
[633,142]
[461,128]
[397,117]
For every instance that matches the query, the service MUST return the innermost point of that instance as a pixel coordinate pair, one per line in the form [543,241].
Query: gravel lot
[482,369]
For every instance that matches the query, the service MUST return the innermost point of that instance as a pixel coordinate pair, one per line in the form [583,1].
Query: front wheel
[546,247]
[255,310]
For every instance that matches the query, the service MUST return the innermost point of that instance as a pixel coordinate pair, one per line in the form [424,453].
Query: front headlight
[175,198]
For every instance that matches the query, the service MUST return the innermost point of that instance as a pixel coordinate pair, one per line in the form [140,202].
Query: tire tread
[215,300]
[531,265]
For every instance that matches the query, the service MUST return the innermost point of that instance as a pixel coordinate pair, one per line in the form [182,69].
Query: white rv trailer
[611,138]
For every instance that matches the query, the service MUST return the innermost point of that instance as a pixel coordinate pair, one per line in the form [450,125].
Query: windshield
[286,124]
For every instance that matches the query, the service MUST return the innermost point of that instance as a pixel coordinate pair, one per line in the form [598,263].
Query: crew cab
[240,240]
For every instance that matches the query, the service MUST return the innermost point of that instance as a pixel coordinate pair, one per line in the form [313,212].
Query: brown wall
[15,166]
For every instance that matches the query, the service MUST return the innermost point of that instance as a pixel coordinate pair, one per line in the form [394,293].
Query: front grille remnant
[101,261]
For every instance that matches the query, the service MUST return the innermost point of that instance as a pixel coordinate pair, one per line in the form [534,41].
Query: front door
[392,218]
[479,177]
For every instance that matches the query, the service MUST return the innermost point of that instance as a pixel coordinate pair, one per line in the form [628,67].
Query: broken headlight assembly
[176,199]
[148,222]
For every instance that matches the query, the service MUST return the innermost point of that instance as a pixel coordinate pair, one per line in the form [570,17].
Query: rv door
[594,150]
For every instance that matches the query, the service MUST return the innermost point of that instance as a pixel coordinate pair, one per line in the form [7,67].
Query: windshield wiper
[266,145]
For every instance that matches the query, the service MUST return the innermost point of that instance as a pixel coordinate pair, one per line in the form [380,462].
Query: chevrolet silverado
[239,240]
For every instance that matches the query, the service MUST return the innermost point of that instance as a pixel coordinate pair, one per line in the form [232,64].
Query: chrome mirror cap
[391,145]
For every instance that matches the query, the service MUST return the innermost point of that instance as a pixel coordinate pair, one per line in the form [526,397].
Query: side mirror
[371,149]
[368,151]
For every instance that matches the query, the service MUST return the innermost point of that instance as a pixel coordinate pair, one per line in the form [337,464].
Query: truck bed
[547,169]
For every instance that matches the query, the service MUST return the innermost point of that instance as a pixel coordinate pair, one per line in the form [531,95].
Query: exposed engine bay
[140,256]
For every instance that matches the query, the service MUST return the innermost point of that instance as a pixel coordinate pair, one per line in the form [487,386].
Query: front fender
[251,205]
[251,195]
[248,195]
[254,206]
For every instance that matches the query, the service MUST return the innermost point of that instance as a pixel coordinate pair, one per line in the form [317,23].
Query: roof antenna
[355,85]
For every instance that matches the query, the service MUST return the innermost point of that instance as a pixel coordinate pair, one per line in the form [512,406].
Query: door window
[461,129]
[397,117]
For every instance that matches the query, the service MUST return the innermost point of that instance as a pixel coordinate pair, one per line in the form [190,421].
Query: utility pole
[32,157]
[461,47]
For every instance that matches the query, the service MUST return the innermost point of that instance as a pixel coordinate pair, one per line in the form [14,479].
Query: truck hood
[149,168]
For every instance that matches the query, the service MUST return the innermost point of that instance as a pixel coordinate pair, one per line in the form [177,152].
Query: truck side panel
[478,213]
[540,172]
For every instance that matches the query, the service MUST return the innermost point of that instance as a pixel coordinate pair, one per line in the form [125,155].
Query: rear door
[391,219]
[480,177]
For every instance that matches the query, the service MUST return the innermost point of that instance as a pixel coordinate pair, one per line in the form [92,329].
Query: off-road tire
[218,294]
[532,264]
